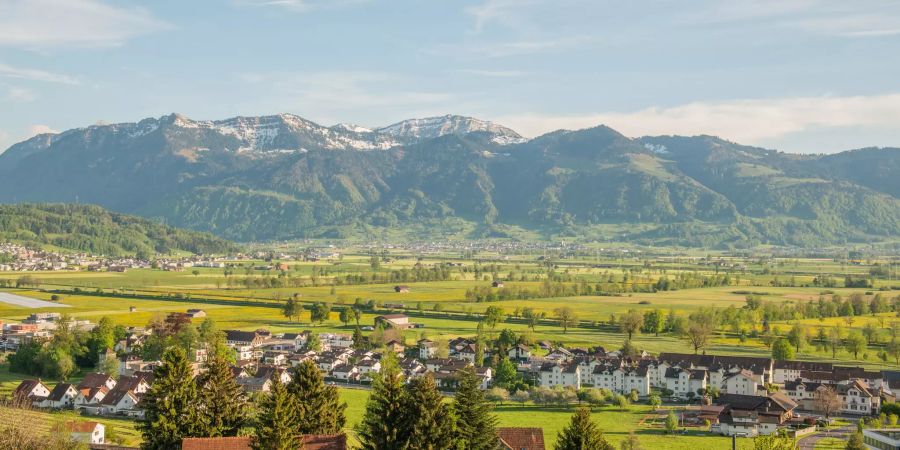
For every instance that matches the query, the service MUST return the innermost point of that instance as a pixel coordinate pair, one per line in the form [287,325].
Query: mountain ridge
[282,176]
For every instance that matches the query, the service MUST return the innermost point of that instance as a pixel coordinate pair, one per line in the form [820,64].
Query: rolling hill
[92,229]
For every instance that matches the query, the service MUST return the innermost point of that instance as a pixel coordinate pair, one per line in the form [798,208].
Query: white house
[519,352]
[684,382]
[622,379]
[62,396]
[345,372]
[31,390]
[118,402]
[427,348]
[335,340]
[95,380]
[86,432]
[90,397]
[855,398]
[560,374]
[740,383]
[368,366]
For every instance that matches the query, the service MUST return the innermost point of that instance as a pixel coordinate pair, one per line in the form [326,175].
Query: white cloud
[746,121]
[35,75]
[35,130]
[72,23]
[858,18]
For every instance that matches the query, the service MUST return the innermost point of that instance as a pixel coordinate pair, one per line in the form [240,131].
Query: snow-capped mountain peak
[352,128]
[412,130]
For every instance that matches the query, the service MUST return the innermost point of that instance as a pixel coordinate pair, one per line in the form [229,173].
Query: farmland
[234,301]
[249,294]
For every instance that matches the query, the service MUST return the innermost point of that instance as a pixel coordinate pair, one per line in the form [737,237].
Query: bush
[891,408]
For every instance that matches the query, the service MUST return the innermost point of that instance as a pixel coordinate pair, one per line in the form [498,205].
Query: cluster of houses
[748,404]
[24,259]
[36,325]
[96,394]
[261,354]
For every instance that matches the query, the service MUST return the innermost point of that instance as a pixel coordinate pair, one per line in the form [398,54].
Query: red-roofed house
[521,438]
[87,432]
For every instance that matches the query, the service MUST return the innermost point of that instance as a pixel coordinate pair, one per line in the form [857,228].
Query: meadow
[234,306]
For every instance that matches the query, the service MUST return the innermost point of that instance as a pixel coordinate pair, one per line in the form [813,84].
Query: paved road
[809,442]
[18,300]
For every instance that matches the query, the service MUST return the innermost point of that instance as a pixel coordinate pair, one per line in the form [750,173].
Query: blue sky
[795,75]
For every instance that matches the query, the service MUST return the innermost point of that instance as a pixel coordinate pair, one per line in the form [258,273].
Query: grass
[117,430]
[831,444]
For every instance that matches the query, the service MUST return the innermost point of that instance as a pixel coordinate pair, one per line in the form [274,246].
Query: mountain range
[285,177]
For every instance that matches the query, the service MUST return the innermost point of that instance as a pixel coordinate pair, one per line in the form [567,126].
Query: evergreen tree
[170,405]
[505,374]
[320,410]
[386,420]
[275,429]
[582,434]
[475,424]
[224,404]
[430,424]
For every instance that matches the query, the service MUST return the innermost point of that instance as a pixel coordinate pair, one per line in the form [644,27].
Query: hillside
[89,228]
[284,177]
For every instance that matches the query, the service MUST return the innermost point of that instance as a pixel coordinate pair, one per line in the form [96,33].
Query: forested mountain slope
[283,177]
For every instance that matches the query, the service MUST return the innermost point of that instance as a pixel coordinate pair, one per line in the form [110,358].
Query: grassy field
[230,312]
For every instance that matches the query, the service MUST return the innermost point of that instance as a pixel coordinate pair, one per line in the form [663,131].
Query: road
[18,300]
[809,442]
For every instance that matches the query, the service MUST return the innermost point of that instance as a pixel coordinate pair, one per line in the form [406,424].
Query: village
[731,395]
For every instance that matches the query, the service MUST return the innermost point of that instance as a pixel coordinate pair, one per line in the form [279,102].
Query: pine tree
[475,424]
[430,424]
[275,428]
[582,434]
[170,405]
[384,424]
[224,403]
[320,410]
